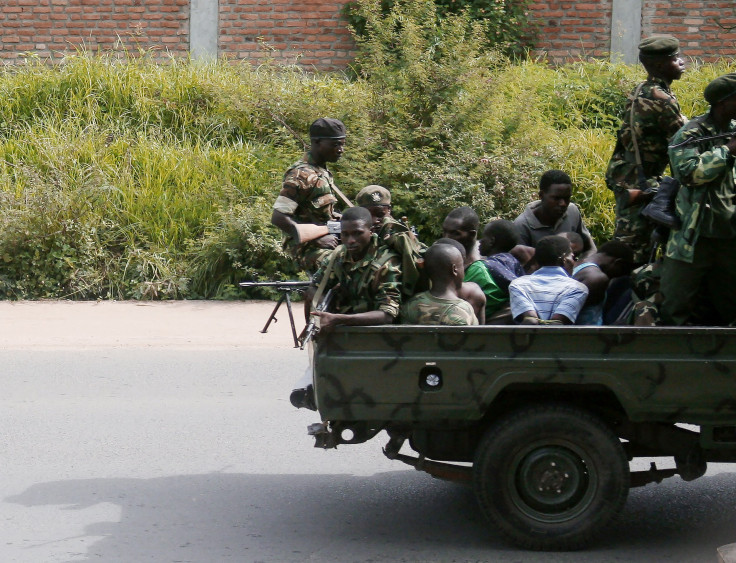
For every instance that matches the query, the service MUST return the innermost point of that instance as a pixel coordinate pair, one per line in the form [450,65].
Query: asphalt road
[192,452]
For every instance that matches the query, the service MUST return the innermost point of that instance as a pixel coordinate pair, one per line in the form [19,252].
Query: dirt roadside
[144,324]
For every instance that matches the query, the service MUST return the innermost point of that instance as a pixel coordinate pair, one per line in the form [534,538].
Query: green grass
[131,179]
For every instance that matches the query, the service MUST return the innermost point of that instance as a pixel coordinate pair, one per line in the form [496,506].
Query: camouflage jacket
[401,239]
[307,194]
[370,284]
[426,309]
[656,118]
[703,169]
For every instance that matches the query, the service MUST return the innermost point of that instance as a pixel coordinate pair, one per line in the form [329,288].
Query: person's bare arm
[317,233]
[328,321]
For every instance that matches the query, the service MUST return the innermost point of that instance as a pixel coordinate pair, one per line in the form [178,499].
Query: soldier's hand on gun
[327,241]
[327,321]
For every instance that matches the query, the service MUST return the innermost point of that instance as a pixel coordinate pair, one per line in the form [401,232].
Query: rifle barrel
[693,140]
[290,284]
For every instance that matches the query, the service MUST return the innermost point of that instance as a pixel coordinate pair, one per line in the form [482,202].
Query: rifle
[311,328]
[693,140]
[285,287]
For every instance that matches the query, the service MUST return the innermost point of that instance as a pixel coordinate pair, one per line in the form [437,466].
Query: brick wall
[706,30]
[52,27]
[311,32]
[573,30]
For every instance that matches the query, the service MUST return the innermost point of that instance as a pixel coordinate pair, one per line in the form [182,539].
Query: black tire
[550,477]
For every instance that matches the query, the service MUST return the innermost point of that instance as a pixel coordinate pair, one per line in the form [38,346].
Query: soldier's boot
[661,210]
[303,398]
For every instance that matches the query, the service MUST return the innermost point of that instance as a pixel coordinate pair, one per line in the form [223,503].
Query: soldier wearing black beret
[651,117]
[307,200]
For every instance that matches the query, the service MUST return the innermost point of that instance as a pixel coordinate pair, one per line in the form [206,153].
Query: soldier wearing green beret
[307,198]
[701,254]
[651,117]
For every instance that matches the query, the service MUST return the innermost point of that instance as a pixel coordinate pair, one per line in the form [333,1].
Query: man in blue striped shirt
[549,295]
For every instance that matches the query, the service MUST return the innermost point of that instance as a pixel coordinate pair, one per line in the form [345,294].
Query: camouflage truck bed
[542,420]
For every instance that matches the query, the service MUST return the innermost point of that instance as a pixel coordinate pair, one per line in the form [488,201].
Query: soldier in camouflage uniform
[702,252]
[656,117]
[397,236]
[441,305]
[367,277]
[308,196]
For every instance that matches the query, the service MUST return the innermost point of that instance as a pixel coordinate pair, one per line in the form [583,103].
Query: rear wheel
[550,477]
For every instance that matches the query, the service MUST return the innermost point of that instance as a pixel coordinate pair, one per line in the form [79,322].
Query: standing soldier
[702,252]
[651,117]
[308,196]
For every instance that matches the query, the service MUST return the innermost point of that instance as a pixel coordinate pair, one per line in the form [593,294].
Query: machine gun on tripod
[286,288]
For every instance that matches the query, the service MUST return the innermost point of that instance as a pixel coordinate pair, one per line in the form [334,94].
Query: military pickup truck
[542,421]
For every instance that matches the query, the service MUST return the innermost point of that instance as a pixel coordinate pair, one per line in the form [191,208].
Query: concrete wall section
[204,28]
[625,30]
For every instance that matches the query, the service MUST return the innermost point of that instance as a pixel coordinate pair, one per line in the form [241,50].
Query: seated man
[462,224]
[612,260]
[397,236]
[469,291]
[553,213]
[549,295]
[366,277]
[442,304]
[499,239]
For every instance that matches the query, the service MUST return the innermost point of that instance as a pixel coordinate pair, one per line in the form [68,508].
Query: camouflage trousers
[309,257]
[632,229]
[701,292]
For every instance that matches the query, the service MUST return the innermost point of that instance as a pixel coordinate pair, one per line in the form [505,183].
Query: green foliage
[131,179]
[506,24]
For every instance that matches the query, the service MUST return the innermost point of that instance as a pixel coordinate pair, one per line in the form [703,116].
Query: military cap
[659,46]
[373,195]
[720,88]
[327,128]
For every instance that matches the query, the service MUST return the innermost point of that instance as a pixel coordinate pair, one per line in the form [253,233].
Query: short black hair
[468,217]
[549,251]
[553,177]
[357,214]
[619,250]
[505,234]
[438,258]
[452,242]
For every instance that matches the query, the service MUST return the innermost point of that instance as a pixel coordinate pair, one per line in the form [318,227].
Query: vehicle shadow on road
[394,516]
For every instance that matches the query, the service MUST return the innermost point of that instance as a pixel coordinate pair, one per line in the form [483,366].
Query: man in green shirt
[701,254]
[462,224]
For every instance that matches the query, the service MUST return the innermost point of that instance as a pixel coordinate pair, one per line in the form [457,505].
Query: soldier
[368,276]
[442,304]
[654,114]
[553,213]
[703,250]
[308,197]
[397,236]
[461,224]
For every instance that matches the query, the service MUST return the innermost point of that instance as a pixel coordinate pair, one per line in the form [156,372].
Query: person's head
[576,243]
[454,243]
[444,265]
[499,235]
[327,136]
[660,56]
[461,224]
[377,200]
[555,191]
[615,259]
[355,231]
[719,93]
[554,250]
